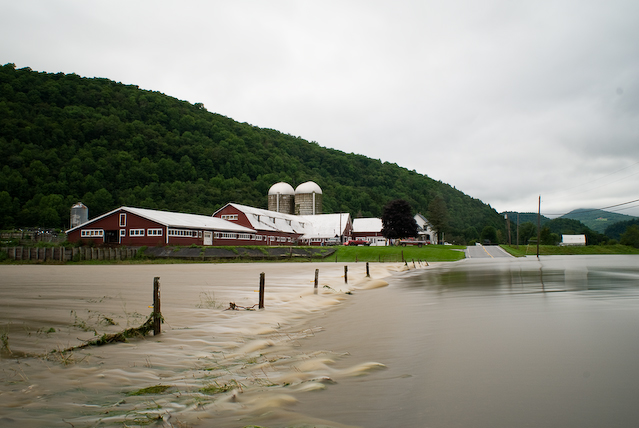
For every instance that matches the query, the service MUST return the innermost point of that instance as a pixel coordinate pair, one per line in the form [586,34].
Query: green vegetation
[616,230]
[156,389]
[551,232]
[398,220]
[555,250]
[597,220]
[65,139]
[216,388]
[429,253]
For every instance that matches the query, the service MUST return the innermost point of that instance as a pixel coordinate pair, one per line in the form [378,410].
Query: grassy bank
[430,253]
[555,250]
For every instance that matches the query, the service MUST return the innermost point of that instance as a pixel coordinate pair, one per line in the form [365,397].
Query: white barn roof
[363,225]
[326,225]
[178,220]
[266,220]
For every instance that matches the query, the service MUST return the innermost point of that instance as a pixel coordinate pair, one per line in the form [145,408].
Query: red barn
[271,227]
[143,227]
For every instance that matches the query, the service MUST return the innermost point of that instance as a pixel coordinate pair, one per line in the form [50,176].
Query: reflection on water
[568,273]
[551,342]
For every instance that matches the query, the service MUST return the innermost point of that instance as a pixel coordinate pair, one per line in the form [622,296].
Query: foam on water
[234,367]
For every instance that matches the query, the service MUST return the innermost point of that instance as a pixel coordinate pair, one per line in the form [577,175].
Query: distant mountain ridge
[596,219]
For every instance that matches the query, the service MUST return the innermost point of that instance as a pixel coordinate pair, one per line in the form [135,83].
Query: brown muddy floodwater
[209,367]
[492,343]
[478,343]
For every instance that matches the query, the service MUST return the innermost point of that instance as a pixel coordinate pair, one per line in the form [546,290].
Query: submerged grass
[391,254]
[216,388]
[149,390]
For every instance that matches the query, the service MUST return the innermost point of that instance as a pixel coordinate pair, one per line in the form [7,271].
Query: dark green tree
[489,235]
[527,230]
[547,237]
[438,215]
[631,236]
[397,220]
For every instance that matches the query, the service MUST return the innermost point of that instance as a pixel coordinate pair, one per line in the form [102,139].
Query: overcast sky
[506,100]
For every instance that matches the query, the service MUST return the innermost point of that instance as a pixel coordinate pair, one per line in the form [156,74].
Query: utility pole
[538,225]
[517,230]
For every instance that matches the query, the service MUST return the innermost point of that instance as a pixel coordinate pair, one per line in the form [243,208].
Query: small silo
[308,199]
[79,214]
[281,198]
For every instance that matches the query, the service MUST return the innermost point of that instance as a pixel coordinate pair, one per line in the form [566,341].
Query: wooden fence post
[261,302]
[157,315]
[368,272]
[316,280]
[345,274]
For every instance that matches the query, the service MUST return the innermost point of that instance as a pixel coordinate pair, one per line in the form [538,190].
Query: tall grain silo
[281,198]
[308,199]
[79,214]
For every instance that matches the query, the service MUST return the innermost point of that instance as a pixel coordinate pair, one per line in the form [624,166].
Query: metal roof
[177,220]
[265,220]
[326,225]
[367,225]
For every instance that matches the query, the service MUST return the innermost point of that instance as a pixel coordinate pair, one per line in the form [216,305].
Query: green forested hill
[597,220]
[64,139]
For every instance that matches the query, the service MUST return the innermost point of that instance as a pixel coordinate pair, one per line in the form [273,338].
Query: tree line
[65,138]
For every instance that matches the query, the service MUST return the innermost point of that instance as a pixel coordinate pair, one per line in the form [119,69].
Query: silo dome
[282,189]
[308,187]
[281,198]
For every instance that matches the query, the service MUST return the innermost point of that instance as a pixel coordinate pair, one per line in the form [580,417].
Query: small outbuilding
[573,240]
[369,229]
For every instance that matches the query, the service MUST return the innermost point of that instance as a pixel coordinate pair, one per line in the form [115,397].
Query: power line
[598,179]
[597,209]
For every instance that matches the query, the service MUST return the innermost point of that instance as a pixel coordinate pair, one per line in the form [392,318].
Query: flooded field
[477,343]
[209,364]
[493,343]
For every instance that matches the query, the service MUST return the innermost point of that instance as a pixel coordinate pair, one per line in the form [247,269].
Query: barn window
[92,233]
[136,232]
[122,220]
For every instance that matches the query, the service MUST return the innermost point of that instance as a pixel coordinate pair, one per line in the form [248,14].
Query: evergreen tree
[438,215]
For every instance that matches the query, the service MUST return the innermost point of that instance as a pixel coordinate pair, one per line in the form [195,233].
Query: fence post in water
[414,264]
[261,302]
[345,274]
[368,272]
[157,316]
[316,280]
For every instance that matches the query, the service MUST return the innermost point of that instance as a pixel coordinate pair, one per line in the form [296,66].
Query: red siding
[111,227]
[269,237]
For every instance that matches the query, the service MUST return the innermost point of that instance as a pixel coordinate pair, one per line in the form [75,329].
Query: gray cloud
[505,100]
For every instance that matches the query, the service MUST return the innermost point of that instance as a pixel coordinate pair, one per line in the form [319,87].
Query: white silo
[308,199]
[281,198]
[79,214]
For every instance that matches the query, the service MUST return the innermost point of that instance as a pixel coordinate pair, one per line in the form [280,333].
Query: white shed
[573,240]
